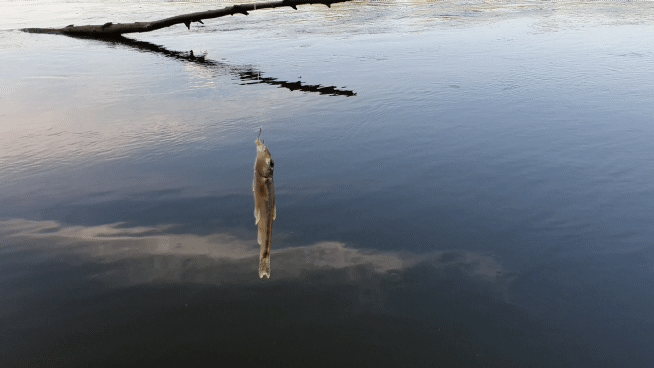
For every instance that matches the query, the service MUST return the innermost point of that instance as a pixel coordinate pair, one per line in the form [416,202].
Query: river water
[459,183]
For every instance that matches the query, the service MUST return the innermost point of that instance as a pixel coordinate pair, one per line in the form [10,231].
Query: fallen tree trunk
[116,29]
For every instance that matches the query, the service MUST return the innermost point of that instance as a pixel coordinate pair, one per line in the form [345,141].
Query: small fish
[265,211]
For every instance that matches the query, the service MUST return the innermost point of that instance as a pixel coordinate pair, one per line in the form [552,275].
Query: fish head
[265,162]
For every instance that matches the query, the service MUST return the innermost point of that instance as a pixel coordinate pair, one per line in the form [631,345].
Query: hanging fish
[265,211]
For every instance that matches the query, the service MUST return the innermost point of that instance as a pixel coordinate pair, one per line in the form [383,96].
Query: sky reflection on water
[99,271]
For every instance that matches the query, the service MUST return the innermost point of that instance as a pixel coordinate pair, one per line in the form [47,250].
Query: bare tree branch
[116,29]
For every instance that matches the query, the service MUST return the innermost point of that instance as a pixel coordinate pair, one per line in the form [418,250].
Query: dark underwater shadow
[247,74]
[323,318]
[107,296]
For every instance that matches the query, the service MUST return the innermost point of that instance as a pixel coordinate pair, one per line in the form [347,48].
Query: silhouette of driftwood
[110,29]
[247,74]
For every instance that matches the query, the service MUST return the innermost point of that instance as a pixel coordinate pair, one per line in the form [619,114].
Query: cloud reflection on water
[233,259]
[140,296]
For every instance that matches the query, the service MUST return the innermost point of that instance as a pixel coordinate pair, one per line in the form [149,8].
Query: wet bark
[110,29]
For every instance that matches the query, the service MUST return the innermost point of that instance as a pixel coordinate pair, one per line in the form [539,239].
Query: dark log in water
[110,29]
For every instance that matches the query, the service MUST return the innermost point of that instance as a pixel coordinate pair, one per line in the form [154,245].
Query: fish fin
[264,267]
[257,216]
[274,212]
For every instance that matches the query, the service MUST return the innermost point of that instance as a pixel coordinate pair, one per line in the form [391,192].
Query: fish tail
[264,266]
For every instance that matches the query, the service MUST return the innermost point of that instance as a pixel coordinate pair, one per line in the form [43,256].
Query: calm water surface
[465,184]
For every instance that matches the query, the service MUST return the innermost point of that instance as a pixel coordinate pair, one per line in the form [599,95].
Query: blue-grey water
[459,184]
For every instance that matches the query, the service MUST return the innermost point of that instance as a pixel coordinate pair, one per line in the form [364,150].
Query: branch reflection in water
[245,73]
